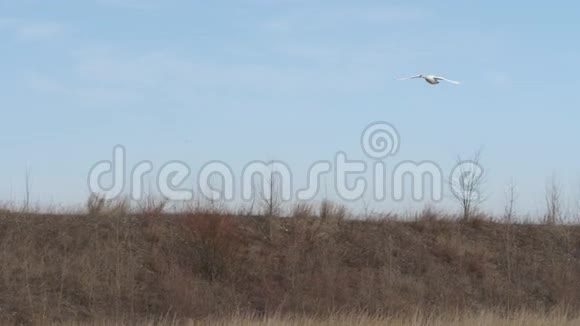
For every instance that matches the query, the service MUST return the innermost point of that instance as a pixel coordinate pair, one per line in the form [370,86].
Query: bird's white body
[433,80]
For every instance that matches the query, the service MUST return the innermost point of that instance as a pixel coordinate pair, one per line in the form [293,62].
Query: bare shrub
[6,209]
[97,205]
[428,214]
[215,238]
[27,189]
[329,209]
[511,197]
[553,202]
[302,210]
[246,210]
[152,206]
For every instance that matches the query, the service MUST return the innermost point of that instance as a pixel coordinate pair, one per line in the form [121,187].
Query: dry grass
[480,319]
[112,264]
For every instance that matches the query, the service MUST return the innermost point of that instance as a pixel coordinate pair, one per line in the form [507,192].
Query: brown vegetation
[114,265]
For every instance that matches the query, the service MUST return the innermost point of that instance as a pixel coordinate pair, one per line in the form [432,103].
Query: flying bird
[432,79]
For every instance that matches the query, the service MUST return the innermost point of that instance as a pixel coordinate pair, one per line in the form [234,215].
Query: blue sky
[291,80]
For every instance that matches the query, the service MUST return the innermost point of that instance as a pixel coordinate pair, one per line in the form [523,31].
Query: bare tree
[553,201]
[216,201]
[250,210]
[467,182]
[271,203]
[27,189]
[511,197]
[271,196]
[366,209]
[576,204]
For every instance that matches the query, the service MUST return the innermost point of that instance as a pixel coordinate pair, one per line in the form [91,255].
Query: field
[519,319]
[314,267]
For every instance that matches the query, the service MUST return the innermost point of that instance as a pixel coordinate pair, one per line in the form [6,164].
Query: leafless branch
[511,197]
[467,184]
[553,201]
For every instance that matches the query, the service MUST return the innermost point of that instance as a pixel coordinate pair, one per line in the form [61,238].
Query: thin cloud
[50,85]
[25,30]
[155,72]
[171,71]
[40,31]
[130,4]
[379,15]
[322,18]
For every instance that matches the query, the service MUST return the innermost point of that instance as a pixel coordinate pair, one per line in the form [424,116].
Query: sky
[289,80]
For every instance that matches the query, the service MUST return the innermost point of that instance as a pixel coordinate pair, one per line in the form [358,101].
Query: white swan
[432,79]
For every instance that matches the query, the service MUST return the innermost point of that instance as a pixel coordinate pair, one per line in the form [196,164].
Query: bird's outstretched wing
[417,76]
[447,80]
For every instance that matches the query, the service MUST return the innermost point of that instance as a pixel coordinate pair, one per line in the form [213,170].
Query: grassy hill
[203,264]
